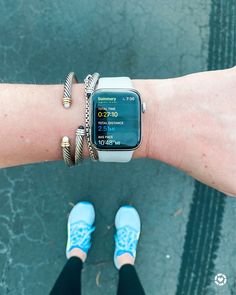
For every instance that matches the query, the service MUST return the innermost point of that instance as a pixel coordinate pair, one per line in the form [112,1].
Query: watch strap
[114,82]
[115,156]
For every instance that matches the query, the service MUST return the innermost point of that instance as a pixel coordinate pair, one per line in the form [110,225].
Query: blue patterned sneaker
[128,227]
[80,227]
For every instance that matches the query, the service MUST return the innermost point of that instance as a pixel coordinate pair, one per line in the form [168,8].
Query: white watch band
[115,83]
[115,156]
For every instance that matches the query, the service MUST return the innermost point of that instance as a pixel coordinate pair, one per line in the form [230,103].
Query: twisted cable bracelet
[67,95]
[65,141]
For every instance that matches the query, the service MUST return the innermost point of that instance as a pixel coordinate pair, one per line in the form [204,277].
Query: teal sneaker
[128,225]
[80,227]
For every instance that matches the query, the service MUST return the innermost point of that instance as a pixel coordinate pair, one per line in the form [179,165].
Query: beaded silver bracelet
[90,83]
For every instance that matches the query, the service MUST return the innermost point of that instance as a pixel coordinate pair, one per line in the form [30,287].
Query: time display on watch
[116,119]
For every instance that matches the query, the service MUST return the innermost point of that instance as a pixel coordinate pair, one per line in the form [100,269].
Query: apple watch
[115,117]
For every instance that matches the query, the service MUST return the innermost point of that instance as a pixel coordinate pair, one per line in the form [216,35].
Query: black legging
[69,280]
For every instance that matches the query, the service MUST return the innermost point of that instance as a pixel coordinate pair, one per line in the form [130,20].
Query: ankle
[76,252]
[125,258]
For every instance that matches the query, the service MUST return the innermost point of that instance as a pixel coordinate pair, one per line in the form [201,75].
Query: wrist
[76,117]
[158,95]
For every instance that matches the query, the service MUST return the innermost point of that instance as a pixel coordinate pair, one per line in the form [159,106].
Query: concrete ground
[40,41]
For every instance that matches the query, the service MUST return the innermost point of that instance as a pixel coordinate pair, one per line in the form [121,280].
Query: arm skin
[190,123]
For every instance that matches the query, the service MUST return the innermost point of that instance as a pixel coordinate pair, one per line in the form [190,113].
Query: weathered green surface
[40,41]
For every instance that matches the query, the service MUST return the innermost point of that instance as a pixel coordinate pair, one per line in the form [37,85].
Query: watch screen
[116,119]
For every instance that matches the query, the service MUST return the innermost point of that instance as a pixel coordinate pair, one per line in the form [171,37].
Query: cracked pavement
[40,42]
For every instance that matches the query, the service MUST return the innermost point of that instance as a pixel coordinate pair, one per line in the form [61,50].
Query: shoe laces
[80,235]
[126,240]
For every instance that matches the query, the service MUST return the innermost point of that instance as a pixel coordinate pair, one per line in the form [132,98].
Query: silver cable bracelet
[79,143]
[80,132]
[67,94]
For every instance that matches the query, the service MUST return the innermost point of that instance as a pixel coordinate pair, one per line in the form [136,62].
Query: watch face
[116,119]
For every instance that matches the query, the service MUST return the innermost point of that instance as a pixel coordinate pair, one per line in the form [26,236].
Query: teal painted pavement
[181,247]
